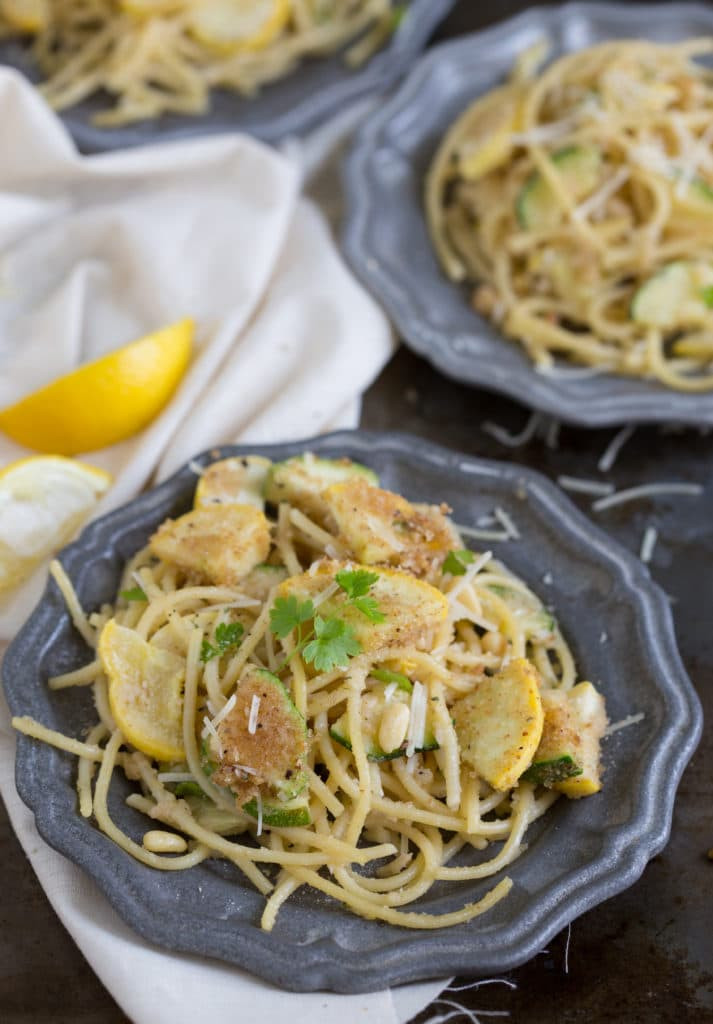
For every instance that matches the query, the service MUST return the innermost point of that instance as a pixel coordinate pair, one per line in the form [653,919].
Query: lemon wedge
[43,500]
[25,15]
[105,401]
[145,691]
[238,24]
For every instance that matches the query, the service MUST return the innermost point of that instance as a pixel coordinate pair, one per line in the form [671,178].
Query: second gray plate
[386,239]
[579,853]
[316,90]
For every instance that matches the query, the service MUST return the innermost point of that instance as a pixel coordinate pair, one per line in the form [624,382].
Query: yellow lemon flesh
[43,500]
[239,24]
[104,401]
[145,691]
[25,15]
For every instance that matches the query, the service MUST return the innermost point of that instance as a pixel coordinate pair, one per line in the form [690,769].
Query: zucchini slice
[236,481]
[499,724]
[676,297]
[302,480]
[276,814]
[263,741]
[537,206]
[567,758]
[220,542]
[380,527]
[373,706]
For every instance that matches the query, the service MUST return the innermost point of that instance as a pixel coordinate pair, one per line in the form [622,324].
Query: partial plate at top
[386,239]
[316,90]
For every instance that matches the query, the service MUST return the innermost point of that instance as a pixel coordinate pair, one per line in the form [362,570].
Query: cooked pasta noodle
[577,204]
[161,56]
[382,748]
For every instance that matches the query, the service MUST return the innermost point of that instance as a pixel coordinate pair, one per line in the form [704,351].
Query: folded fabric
[95,252]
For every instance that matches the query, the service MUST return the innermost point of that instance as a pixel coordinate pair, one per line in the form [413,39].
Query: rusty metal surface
[646,956]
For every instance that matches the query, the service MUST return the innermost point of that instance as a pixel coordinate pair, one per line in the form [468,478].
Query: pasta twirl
[362,700]
[578,205]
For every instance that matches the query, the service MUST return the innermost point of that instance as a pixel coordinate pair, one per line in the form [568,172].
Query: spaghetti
[161,56]
[346,725]
[577,203]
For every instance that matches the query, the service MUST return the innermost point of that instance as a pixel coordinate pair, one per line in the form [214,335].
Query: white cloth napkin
[94,252]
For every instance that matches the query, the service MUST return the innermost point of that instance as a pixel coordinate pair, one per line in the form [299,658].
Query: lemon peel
[105,401]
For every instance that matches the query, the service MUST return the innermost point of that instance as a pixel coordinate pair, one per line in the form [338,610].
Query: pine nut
[393,726]
[494,643]
[157,841]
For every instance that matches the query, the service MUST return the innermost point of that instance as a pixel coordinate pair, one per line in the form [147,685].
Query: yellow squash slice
[145,691]
[499,724]
[236,481]
[238,24]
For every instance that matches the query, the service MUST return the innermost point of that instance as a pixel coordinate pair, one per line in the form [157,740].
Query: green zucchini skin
[577,164]
[549,773]
[277,815]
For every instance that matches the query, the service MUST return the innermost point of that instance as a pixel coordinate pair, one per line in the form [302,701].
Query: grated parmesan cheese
[598,200]
[583,486]
[504,437]
[196,467]
[254,711]
[611,452]
[648,543]
[487,535]
[624,723]
[258,801]
[502,516]
[646,491]
[417,720]
[224,711]
[210,730]
[175,777]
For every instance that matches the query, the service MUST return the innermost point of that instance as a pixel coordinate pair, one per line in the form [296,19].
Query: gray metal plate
[386,239]
[579,854]
[316,90]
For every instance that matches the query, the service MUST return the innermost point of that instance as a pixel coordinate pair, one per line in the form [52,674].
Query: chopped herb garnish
[135,594]
[288,613]
[227,636]
[333,644]
[356,584]
[456,561]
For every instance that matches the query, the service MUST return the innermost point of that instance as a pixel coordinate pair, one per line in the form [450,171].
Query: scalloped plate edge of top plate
[335,957]
[287,107]
[383,180]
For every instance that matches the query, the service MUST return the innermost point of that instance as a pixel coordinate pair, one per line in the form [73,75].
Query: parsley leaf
[288,613]
[368,606]
[356,582]
[456,562]
[135,594]
[333,645]
[227,635]
[707,296]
